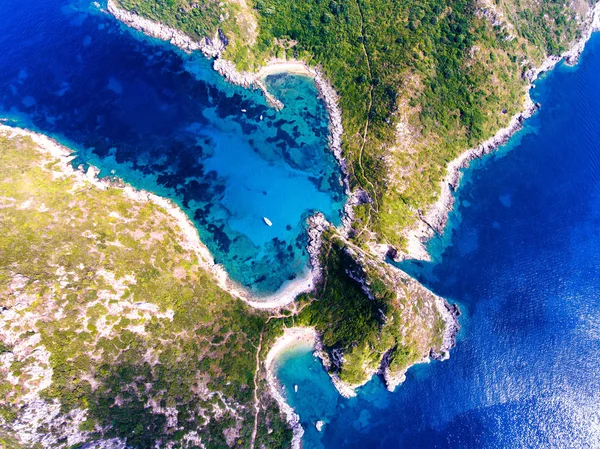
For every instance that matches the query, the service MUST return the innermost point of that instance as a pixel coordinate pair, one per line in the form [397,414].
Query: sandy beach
[295,337]
[295,67]
[286,294]
[213,48]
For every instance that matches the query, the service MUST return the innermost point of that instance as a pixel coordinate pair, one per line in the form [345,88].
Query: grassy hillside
[111,324]
[366,310]
[110,327]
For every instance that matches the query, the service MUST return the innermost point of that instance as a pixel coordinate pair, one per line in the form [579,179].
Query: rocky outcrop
[450,314]
[571,56]
[210,47]
[317,224]
[336,129]
[413,324]
[332,362]
[356,198]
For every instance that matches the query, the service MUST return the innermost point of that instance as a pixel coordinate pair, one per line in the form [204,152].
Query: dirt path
[294,311]
[367,123]
[256,400]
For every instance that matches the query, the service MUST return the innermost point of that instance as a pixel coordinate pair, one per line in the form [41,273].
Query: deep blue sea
[522,258]
[164,121]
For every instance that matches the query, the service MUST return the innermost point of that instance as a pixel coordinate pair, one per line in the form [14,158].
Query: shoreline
[286,294]
[291,338]
[435,218]
[213,48]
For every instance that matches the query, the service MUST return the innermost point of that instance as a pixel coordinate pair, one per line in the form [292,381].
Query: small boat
[243,110]
[261,116]
[267,221]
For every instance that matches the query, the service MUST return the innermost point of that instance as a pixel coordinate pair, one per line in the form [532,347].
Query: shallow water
[522,258]
[164,121]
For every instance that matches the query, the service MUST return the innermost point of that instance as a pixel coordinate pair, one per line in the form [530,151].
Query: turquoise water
[164,121]
[307,387]
[521,256]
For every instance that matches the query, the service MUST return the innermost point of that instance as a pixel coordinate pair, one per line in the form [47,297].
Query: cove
[164,121]
[521,256]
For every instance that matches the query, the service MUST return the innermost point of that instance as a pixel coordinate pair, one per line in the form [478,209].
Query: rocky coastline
[284,296]
[433,220]
[214,48]
[448,312]
[292,338]
[209,47]
[450,315]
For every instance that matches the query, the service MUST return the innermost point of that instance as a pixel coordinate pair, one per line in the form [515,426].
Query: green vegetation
[196,20]
[368,311]
[202,19]
[438,71]
[135,331]
[118,323]
[548,25]
[343,314]
[419,82]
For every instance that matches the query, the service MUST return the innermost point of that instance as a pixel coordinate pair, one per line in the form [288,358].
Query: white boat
[267,221]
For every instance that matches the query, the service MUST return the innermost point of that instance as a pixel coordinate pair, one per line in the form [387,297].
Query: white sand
[286,66]
[292,338]
[286,293]
[213,48]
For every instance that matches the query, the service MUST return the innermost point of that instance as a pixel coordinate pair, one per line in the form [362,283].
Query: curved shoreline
[213,48]
[435,218]
[291,338]
[191,239]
